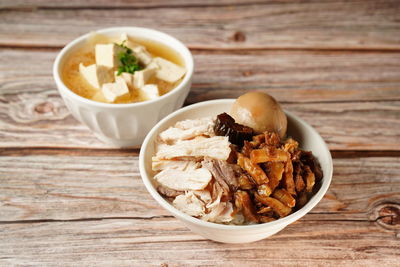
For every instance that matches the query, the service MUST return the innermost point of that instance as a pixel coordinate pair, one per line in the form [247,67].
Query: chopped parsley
[129,63]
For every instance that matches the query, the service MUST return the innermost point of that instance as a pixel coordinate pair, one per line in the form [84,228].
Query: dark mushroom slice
[225,126]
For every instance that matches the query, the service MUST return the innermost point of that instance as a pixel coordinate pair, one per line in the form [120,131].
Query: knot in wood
[45,107]
[387,215]
[239,36]
[247,73]
[390,215]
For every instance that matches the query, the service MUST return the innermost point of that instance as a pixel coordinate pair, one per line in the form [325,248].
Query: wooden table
[67,199]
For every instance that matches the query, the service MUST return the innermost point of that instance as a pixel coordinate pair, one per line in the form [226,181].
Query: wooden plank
[307,83]
[166,242]
[257,25]
[290,76]
[71,187]
[93,4]
[344,126]
[298,76]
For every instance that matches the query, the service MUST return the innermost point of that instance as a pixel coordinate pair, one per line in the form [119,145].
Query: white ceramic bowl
[124,125]
[308,138]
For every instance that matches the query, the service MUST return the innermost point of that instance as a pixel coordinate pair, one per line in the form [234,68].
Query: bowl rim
[185,217]
[183,51]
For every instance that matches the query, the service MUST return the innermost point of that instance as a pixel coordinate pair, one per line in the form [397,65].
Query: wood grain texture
[290,76]
[256,25]
[93,4]
[95,210]
[351,98]
[42,187]
[66,199]
[165,242]
[344,126]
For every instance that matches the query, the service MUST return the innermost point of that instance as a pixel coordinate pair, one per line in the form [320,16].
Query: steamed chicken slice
[187,124]
[223,174]
[221,213]
[189,204]
[204,195]
[167,192]
[182,165]
[214,147]
[179,180]
[188,129]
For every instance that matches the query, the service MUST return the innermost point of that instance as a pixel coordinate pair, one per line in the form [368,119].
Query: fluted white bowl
[308,138]
[124,125]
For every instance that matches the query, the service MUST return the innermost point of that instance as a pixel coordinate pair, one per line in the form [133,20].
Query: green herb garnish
[129,63]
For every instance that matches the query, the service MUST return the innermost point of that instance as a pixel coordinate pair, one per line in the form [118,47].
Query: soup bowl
[124,125]
[308,139]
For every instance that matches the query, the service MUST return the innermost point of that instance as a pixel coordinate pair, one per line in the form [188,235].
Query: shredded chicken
[223,174]
[189,204]
[203,195]
[214,147]
[187,129]
[184,180]
[221,213]
[182,165]
[169,192]
[207,177]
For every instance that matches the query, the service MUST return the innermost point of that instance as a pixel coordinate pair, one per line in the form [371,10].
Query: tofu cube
[107,55]
[96,75]
[168,71]
[139,50]
[150,91]
[142,54]
[125,39]
[153,65]
[128,77]
[142,76]
[113,91]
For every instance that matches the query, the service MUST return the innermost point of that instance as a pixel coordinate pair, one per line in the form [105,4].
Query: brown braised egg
[261,112]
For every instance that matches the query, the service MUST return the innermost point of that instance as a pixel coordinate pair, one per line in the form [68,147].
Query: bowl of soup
[121,81]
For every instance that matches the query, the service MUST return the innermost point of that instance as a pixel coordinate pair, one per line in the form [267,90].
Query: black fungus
[225,125]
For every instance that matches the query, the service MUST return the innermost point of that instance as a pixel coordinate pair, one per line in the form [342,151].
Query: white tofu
[153,65]
[107,55]
[139,50]
[96,75]
[128,77]
[125,39]
[112,91]
[142,54]
[142,76]
[168,71]
[151,91]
